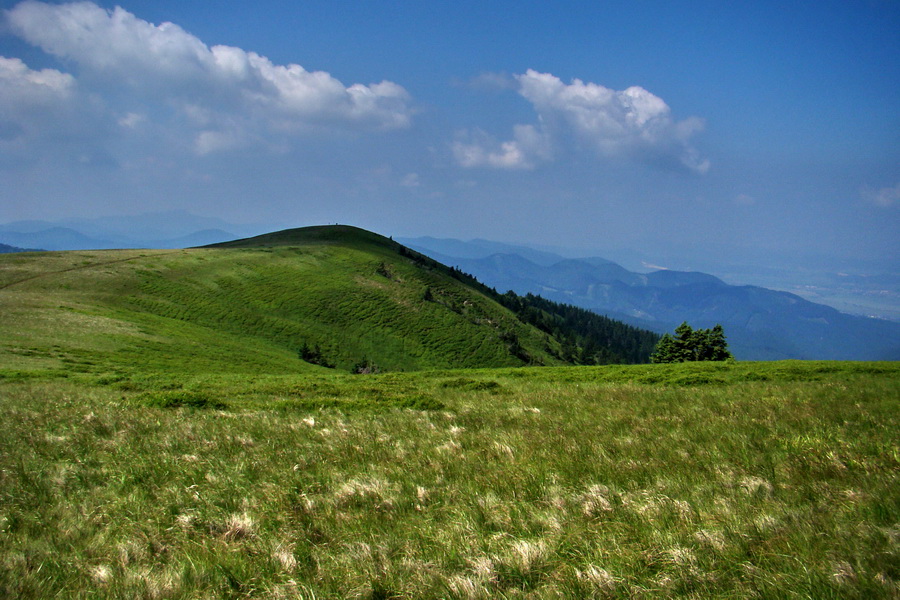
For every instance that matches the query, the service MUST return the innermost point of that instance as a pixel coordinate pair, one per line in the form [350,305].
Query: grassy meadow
[163,440]
[740,480]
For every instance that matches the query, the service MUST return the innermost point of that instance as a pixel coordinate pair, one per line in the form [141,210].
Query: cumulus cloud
[28,97]
[632,124]
[528,146]
[226,95]
[23,87]
[884,197]
[40,105]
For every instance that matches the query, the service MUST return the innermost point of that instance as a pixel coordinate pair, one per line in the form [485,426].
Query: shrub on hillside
[313,355]
[365,367]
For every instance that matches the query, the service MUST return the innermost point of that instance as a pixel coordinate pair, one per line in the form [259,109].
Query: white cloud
[29,98]
[23,86]
[170,78]
[115,42]
[631,124]
[40,105]
[528,146]
[883,197]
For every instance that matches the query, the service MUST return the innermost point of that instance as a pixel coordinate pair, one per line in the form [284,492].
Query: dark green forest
[586,337]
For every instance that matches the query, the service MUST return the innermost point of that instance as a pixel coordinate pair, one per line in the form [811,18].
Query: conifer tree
[686,343]
[689,345]
[665,350]
[716,344]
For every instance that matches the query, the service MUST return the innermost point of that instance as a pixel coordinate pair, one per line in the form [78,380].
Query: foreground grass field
[776,480]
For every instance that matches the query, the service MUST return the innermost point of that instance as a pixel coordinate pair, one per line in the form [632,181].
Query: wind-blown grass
[746,480]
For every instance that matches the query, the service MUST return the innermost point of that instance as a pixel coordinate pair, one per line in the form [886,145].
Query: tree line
[585,337]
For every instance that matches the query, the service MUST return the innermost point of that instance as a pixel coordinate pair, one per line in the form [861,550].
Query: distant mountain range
[64,238]
[173,229]
[761,324]
[7,249]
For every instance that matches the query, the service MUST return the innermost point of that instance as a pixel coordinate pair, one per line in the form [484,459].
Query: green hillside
[343,294]
[332,296]
[345,235]
[581,337]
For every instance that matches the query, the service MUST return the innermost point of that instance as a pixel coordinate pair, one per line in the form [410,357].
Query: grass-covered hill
[285,302]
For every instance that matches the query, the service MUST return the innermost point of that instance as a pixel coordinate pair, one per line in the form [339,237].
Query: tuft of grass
[181,399]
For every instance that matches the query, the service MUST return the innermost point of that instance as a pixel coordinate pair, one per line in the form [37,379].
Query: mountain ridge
[7,249]
[867,287]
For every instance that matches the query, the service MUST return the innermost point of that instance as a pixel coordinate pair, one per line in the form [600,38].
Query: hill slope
[336,296]
[583,337]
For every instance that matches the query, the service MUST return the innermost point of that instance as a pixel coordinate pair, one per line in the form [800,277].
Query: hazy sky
[722,125]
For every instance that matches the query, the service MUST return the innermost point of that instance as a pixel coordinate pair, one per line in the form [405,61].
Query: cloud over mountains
[140,75]
[632,124]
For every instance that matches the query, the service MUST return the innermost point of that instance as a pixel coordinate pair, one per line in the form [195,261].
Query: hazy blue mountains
[761,324]
[173,229]
[7,249]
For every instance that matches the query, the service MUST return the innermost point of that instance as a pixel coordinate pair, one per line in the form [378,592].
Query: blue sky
[670,127]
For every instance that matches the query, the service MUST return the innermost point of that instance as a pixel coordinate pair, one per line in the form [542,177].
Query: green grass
[775,480]
[248,311]
[162,439]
